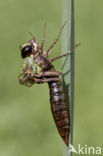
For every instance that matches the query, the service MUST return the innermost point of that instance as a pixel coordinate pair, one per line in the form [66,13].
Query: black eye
[26,51]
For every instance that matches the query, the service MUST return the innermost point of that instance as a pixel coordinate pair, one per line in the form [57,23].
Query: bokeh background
[26,124]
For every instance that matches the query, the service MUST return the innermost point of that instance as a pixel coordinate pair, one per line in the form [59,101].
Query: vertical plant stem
[68,64]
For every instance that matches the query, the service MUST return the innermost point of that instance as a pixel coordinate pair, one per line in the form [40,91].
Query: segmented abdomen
[59,110]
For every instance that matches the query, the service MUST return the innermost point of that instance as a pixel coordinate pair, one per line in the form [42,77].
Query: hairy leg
[25,80]
[56,40]
[48,74]
[29,80]
[47,80]
[66,54]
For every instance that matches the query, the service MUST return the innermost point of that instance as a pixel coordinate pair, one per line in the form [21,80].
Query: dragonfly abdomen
[59,110]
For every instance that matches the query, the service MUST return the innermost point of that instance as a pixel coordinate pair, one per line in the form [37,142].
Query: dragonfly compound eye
[26,51]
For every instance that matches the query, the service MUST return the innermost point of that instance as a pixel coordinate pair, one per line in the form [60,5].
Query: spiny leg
[56,40]
[47,80]
[29,80]
[25,80]
[43,39]
[66,54]
[48,74]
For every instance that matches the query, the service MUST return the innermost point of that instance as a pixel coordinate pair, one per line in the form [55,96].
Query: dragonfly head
[31,47]
[26,50]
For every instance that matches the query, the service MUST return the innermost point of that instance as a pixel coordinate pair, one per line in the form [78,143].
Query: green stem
[68,64]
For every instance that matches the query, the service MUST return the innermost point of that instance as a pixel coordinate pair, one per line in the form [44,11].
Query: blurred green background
[26,124]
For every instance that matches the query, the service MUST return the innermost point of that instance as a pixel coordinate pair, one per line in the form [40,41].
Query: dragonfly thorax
[30,67]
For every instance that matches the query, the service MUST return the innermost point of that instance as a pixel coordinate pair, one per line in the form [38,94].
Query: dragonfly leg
[56,40]
[47,80]
[66,54]
[48,74]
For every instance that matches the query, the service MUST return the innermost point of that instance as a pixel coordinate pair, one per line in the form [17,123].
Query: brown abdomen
[59,110]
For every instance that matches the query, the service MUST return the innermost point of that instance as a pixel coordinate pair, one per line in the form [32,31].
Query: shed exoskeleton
[37,68]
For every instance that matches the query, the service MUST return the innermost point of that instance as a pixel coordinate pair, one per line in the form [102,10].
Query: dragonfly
[38,68]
